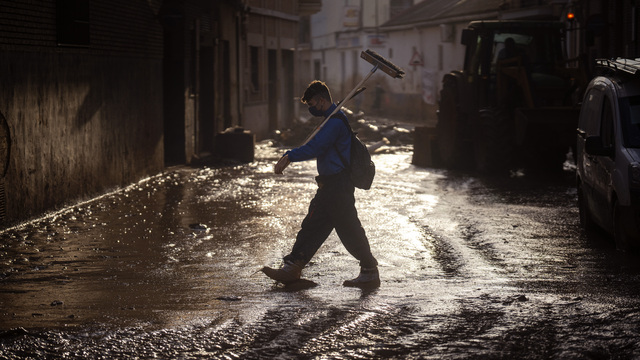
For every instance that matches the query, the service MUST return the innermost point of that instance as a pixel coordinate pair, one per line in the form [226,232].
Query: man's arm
[322,141]
[316,146]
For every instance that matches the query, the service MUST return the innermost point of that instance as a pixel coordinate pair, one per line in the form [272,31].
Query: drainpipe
[240,35]
[196,87]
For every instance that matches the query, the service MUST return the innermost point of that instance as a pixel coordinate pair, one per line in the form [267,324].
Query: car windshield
[630,121]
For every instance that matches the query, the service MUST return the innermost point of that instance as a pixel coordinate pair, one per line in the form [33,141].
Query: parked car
[608,152]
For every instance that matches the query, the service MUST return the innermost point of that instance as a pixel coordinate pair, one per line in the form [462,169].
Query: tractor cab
[514,103]
[517,63]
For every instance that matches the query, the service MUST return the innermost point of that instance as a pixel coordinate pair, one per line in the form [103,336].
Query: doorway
[206,106]
[173,94]
[287,87]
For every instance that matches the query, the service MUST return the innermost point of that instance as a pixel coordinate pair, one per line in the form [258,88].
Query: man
[509,50]
[333,206]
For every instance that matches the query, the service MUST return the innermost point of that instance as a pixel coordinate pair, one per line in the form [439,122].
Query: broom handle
[340,105]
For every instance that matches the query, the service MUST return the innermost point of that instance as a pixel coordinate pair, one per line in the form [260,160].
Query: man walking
[333,206]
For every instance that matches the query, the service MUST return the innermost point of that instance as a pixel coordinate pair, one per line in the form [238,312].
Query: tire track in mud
[443,253]
[438,212]
[464,251]
[396,332]
[402,206]
[476,330]
[330,332]
[413,254]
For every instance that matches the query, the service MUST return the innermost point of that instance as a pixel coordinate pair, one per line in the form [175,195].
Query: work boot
[289,272]
[369,278]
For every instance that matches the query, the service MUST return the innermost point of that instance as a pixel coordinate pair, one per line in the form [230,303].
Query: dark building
[79,101]
[97,95]
[595,28]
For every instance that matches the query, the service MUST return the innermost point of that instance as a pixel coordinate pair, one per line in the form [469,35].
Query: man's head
[317,96]
[510,45]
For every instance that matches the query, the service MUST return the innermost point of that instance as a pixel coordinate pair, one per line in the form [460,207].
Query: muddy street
[168,268]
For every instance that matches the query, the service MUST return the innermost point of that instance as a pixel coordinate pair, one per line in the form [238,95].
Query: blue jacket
[322,146]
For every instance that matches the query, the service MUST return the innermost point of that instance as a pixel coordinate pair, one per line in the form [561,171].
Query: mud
[471,267]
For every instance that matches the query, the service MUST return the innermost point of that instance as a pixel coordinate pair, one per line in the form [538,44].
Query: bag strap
[342,117]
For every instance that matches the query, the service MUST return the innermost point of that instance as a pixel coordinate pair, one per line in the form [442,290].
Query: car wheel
[620,233]
[585,215]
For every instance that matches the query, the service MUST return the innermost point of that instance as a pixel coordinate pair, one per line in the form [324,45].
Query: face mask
[315,111]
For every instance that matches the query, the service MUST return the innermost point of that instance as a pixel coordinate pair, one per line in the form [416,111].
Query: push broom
[378,62]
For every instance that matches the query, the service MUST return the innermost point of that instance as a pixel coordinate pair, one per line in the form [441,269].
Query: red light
[571,16]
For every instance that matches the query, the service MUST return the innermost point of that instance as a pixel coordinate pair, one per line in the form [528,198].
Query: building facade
[339,33]
[423,37]
[97,95]
[79,102]
[271,66]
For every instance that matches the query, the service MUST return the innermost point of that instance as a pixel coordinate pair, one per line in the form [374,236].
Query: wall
[417,94]
[227,92]
[268,80]
[337,42]
[83,119]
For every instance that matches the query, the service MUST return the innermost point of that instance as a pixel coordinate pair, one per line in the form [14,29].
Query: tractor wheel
[493,148]
[449,127]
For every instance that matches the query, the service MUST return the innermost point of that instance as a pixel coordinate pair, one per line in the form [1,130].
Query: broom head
[383,64]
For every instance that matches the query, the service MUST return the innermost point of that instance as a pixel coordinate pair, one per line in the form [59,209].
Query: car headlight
[634,175]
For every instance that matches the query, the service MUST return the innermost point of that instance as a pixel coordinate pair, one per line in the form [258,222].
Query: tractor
[516,102]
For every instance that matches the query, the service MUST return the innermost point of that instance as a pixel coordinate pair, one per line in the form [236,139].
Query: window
[591,110]
[630,121]
[305,30]
[606,127]
[316,69]
[254,63]
[72,22]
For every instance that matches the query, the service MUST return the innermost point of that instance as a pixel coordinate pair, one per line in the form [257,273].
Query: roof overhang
[489,15]
[309,7]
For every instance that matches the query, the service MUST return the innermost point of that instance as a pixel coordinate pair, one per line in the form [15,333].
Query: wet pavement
[168,268]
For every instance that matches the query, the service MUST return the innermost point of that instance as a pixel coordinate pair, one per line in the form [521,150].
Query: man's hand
[282,164]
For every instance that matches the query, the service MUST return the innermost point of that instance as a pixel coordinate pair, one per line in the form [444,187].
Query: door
[287,87]
[604,165]
[226,86]
[173,93]
[206,113]
[589,125]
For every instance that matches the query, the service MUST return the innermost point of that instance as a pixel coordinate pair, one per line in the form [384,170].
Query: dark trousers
[333,207]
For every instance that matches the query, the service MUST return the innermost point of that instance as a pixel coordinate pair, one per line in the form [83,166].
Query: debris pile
[376,132]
